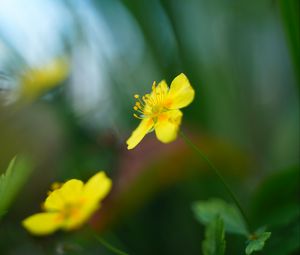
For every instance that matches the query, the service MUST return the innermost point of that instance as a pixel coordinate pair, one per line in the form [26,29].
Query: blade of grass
[110,247]
[12,181]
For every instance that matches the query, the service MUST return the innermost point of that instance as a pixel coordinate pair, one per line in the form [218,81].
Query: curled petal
[138,134]
[43,223]
[167,125]
[180,94]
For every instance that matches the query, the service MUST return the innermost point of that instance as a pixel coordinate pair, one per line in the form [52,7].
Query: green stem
[216,171]
[110,247]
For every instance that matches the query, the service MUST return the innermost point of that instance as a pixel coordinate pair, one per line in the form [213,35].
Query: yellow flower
[69,206]
[37,81]
[159,110]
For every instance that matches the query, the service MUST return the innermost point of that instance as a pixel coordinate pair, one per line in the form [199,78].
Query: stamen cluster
[150,105]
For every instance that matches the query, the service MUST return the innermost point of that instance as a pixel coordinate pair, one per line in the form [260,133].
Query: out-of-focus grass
[290,19]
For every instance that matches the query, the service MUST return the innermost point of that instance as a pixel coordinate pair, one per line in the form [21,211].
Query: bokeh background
[242,58]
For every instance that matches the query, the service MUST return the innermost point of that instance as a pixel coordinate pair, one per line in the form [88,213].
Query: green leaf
[257,242]
[12,181]
[206,211]
[214,243]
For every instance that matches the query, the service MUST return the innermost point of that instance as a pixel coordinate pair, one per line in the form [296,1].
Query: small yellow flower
[37,81]
[159,110]
[69,206]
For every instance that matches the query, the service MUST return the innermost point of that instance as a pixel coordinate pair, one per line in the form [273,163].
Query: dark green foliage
[276,204]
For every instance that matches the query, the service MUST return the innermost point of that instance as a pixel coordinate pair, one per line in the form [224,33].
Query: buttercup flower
[70,205]
[159,110]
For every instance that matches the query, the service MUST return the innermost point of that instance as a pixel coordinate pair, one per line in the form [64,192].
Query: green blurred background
[242,58]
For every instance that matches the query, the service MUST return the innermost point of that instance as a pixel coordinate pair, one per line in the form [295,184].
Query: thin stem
[216,171]
[110,247]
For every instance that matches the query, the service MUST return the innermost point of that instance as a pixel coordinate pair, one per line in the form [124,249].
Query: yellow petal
[138,134]
[180,94]
[163,85]
[70,192]
[54,201]
[97,187]
[167,125]
[42,223]
[162,88]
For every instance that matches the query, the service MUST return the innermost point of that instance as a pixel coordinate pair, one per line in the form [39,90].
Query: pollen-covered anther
[140,104]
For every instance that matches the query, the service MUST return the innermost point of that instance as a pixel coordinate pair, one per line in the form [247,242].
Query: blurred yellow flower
[69,206]
[159,110]
[37,81]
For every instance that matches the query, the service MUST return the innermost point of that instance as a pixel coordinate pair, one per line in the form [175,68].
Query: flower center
[71,210]
[150,105]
